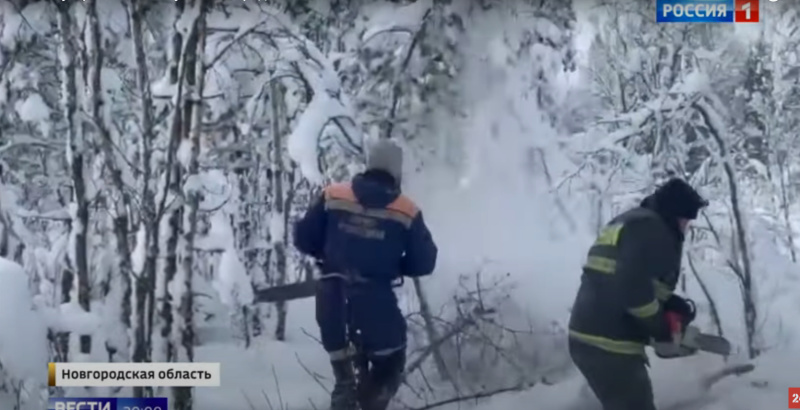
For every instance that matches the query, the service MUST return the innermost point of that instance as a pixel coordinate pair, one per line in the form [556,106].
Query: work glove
[661,328]
[678,314]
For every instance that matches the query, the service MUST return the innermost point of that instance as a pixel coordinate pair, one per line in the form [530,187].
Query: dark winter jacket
[370,233]
[368,229]
[631,269]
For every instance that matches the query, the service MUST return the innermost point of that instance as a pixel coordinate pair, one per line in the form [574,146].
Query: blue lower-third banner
[107,403]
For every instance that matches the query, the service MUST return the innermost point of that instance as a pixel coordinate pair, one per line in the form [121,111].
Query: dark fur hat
[676,198]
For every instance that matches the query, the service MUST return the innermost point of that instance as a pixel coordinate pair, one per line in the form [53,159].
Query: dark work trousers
[619,381]
[380,354]
[332,315]
[366,315]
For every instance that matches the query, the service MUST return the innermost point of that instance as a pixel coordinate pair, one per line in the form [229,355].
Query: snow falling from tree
[153,156]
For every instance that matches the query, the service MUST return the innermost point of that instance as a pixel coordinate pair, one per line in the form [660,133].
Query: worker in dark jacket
[366,235]
[626,296]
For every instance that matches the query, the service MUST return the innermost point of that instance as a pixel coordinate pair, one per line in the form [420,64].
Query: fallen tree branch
[476,396]
[735,370]
[458,328]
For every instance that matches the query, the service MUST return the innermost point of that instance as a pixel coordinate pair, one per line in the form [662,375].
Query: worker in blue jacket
[365,234]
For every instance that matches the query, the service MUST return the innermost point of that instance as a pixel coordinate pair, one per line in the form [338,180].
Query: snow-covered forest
[153,155]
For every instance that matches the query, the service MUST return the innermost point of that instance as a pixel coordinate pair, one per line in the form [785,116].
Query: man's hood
[373,190]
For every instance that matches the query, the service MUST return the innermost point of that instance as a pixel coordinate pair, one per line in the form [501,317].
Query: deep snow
[23,341]
[294,374]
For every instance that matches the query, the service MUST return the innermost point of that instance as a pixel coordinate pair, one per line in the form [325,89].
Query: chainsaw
[688,340]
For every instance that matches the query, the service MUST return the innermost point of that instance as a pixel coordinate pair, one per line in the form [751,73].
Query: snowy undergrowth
[23,341]
[282,374]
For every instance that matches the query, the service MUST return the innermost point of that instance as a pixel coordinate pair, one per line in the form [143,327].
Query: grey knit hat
[385,155]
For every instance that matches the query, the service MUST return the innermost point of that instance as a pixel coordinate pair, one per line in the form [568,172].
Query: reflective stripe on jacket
[630,269]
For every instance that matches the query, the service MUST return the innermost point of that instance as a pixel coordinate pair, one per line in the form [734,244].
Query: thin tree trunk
[746,274]
[183,395]
[711,303]
[170,269]
[121,195]
[430,329]
[4,229]
[75,157]
[244,227]
[183,52]
[278,211]
[145,283]
[787,221]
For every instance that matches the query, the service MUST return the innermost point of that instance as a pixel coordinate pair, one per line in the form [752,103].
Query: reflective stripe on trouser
[350,351]
[342,354]
[610,345]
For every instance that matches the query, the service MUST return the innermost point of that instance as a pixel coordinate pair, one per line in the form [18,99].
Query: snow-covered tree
[154,156]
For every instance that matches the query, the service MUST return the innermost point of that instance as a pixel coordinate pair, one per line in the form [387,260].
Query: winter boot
[383,381]
[343,396]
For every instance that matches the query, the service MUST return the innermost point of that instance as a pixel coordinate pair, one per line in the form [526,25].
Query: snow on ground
[23,341]
[286,372]
[269,370]
[676,384]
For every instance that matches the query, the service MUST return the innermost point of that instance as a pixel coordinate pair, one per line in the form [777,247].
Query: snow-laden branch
[300,58]
[244,31]
[407,19]
[328,103]
[20,141]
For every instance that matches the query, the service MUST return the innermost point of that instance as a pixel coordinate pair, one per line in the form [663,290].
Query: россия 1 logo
[707,11]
